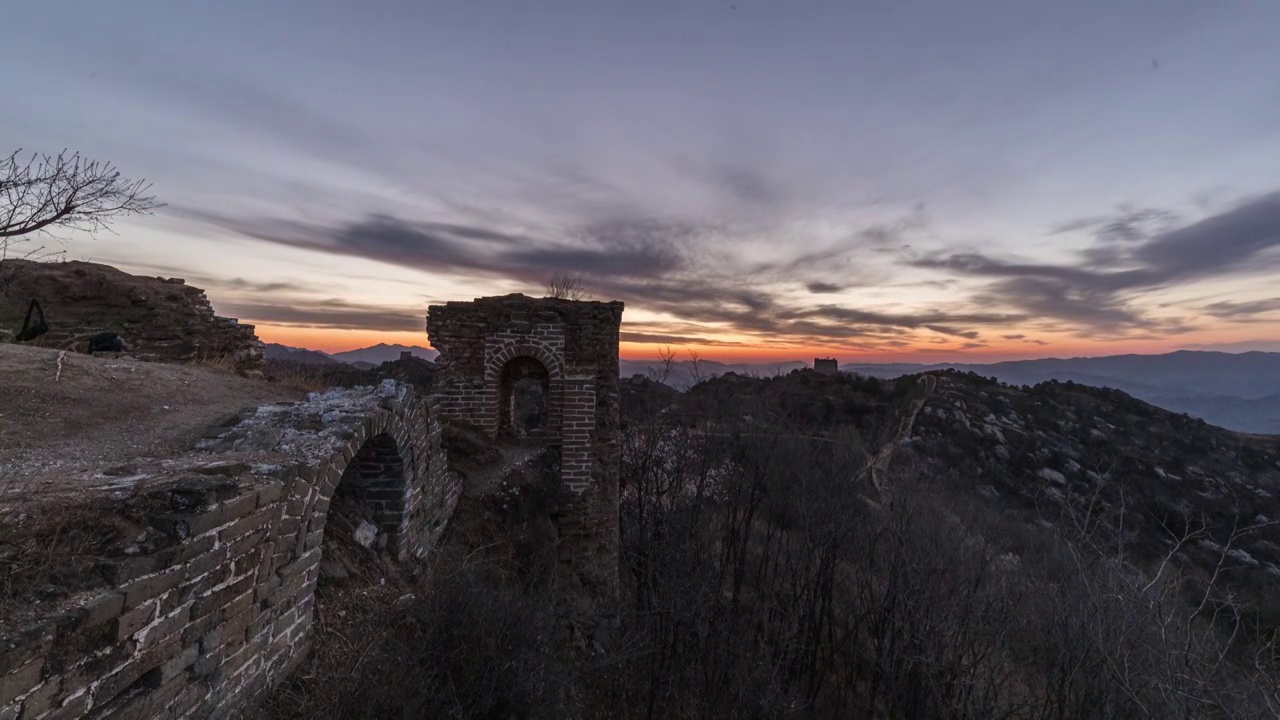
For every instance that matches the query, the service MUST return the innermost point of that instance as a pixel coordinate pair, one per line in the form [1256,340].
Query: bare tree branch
[67,192]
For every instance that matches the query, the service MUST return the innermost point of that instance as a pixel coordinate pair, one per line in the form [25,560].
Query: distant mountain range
[1238,391]
[382,352]
[284,353]
[684,373]
[363,358]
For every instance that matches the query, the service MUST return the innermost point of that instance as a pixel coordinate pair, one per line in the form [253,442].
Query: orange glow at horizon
[338,340]
[333,340]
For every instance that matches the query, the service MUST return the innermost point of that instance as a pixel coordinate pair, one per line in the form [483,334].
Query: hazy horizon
[1235,348]
[906,182]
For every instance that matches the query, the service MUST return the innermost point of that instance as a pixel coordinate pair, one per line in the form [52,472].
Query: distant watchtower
[826,366]
[545,371]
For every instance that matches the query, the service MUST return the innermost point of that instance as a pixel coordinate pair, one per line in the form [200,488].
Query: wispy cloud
[1132,254]
[333,313]
[1245,310]
[660,266]
[820,288]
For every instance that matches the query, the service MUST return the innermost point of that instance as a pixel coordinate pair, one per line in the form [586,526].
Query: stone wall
[205,567]
[161,319]
[577,343]
[210,598]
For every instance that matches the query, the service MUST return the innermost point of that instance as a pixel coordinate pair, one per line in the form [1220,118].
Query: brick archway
[496,358]
[502,356]
[374,488]
[380,466]
[575,340]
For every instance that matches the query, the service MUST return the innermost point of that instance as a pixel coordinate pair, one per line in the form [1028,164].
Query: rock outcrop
[162,319]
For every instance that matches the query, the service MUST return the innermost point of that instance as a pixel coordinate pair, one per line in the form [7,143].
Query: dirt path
[878,465]
[84,412]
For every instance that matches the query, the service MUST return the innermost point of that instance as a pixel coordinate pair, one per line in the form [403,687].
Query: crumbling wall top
[161,319]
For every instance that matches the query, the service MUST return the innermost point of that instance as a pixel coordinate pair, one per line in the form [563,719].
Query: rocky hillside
[1232,390]
[1140,481]
[1145,480]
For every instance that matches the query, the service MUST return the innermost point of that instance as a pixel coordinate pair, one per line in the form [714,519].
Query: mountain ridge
[1237,391]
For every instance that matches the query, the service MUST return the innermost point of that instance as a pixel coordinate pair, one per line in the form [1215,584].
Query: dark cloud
[929,320]
[1227,242]
[1013,337]
[954,332]
[613,249]
[836,261]
[213,282]
[654,265]
[256,286]
[1128,226]
[1127,259]
[661,339]
[1056,299]
[1242,310]
[337,314]
[819,288]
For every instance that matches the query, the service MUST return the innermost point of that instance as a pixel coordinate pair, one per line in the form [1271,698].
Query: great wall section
[202,594]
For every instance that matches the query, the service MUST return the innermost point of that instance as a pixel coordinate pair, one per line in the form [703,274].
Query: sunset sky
[897,181]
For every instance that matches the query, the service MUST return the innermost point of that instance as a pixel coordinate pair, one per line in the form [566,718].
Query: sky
[873,181]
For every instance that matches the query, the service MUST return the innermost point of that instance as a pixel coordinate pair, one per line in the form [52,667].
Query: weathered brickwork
[204,590]
[577,343]
[213,600]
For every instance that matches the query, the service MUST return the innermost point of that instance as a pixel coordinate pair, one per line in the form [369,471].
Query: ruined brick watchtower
[497,352]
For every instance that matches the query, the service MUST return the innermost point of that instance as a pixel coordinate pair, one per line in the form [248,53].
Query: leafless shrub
[758,583]
[761,586]
[471,644]
[567,287]
[47,549]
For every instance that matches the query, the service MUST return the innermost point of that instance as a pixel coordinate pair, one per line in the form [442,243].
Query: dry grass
[294,378]
[223,364]
[48,552]
[297,380]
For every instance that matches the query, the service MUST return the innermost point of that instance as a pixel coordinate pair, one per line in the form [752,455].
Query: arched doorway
[368,505]
[524,395]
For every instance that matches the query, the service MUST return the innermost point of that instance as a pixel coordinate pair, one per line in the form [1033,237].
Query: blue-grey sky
[873,179]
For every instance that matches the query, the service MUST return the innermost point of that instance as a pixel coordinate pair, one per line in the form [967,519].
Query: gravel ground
[101,412]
